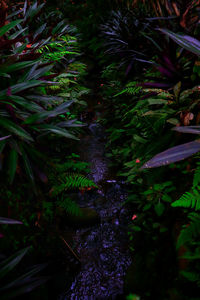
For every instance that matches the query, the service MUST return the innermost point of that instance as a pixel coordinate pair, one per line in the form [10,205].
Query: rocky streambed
[102,247]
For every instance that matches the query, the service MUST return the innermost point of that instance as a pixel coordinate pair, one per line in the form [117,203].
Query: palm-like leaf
[25,112]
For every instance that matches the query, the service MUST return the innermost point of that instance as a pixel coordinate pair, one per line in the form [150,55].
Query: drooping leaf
[28,286]
[9,26]
[33,10]
[185,41]
[49,114]
[56,130]
[26,104]
[9,264]
[19,87]
[17,66]
[14,128]
[35,72]
[5,137]
[173,154]
[58,26]
[17,33]
[23,279]
[9,221]
[187,129]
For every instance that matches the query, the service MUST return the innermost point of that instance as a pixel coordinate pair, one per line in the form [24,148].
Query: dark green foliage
[24,282]
[27,112]
[191,231]
[64,180]
[69,206]
[72,181]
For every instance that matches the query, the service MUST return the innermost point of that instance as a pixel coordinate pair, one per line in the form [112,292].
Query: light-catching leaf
[185,41]
[173,154]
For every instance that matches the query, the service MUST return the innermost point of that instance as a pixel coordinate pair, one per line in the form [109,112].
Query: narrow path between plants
[102,248]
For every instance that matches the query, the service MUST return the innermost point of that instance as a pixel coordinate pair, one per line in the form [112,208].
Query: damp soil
[102,248]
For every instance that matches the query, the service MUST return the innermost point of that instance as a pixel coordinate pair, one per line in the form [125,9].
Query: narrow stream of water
[102,248]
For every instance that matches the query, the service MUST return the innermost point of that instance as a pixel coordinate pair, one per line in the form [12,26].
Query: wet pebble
[104,258]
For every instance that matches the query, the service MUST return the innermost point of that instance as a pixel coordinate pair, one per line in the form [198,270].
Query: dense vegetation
[144,56]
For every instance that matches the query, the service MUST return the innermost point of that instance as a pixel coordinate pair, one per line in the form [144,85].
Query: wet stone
[104,258]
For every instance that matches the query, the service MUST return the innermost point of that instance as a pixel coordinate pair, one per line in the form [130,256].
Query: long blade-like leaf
[12,127]
[185,41]
[31,284]
[9,26]
[17,66]
[173,154]
[56,130]
[49,114]
[23,278]
[188,129]
[19,87]
[9,264]
[5,137]
[9,221]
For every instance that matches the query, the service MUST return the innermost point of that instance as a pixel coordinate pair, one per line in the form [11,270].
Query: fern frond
[191,276]
[130,89]
[190,231]
[69,206]
[78,181]
[54,87]
[72,181]
[189,200]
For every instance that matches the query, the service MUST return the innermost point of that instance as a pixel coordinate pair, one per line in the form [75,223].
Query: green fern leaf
[69,206]
[72,181]
[190,231]
[191,276]
[189,200]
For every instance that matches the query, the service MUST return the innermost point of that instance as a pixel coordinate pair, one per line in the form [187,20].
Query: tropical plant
[11,287]
[27,113]
[186,12]
[183,151]
[22,283]
[64,180]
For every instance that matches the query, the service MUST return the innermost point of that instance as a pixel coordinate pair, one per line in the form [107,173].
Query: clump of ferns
[190,233]
[131,88]
[64,180]
[67,182]
[71,181]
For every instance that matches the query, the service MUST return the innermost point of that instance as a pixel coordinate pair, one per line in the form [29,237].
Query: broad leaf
[9,264]
[22,86]
[56,130]
[185,41]
[5,137]
[9,221]
[14,128]
[49,114]
[35,73]
[25,104]
[17,66]
[188,129]
[24,278]
[9,26]
[172,155]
